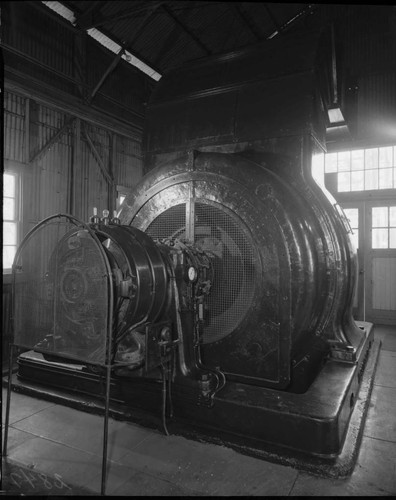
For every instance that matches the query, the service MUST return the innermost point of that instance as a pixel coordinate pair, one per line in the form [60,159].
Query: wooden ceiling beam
[246,21]
[197,41]
[88,20]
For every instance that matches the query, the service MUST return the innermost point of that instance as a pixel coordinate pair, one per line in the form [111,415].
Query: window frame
[383,167]
[122,191]
[386,227]
[18,210]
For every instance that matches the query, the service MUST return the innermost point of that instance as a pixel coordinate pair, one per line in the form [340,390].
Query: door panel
[381,262]
[355,214]
[384,283]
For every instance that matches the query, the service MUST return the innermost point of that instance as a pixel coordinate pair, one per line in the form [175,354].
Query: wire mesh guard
[61,292]
[219,233]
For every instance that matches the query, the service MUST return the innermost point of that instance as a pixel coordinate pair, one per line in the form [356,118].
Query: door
[355,213]
[373,227]
[380,269]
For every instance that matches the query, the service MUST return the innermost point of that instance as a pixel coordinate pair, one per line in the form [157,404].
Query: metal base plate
[319,431]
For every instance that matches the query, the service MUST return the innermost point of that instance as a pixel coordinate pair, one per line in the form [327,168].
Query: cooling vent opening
[218,232]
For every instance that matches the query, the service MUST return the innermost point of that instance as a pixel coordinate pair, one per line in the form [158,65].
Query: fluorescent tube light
[104,40]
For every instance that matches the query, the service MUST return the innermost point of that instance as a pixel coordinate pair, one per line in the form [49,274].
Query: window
[120,199]
[122,193]
[362,169]
[10,218]
[383,226]
[352,214]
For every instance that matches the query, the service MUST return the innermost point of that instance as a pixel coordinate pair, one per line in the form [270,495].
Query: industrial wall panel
[364,54]
[384,283]
[52,46]
[92,188]
[66,177]
[377,106]
[54,172]
[14,127]
[48,51]
[129,162]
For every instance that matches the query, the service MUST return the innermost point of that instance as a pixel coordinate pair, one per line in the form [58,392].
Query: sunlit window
[352,214]
[122,193]
[10,219]
[383,226]
[361,169]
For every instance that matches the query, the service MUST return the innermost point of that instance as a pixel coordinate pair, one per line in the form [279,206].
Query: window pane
[385,157]
[371,179]
[352,215]
[357,180]
[9,233]
[392,238]
[379,217]
[318,160]
[380,238]
[394,177]
[344,161]
[331,163]
[371,160]
[385,178]
[8,256]
[357,159]
[344,181]
[392,216]
[318,168]
[9,185]
[355,238]
[8,208]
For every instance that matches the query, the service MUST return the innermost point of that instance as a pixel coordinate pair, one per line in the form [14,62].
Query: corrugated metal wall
[70,60]
[67,177]
[377,106]
[20,31]
[368,64]
[14,127]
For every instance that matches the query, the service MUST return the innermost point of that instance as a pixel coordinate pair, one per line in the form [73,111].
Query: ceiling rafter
[91,19]
[309,9]
[149,15]
[246,21]
[273,18]
[197,41]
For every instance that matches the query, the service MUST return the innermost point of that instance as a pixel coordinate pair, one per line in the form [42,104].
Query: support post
[75,165]
[106,425]
[27,131]
[7,415]
[113,174]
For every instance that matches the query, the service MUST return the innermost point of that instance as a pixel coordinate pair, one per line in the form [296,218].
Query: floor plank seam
[32,414]
[386,386]
[294,482]
[380,439]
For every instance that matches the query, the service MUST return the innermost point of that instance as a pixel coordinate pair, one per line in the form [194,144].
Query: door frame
[380,316]
[359,312]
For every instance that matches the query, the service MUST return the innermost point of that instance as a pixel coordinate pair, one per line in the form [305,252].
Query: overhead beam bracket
[52,141]
[112,66]
[97,156]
